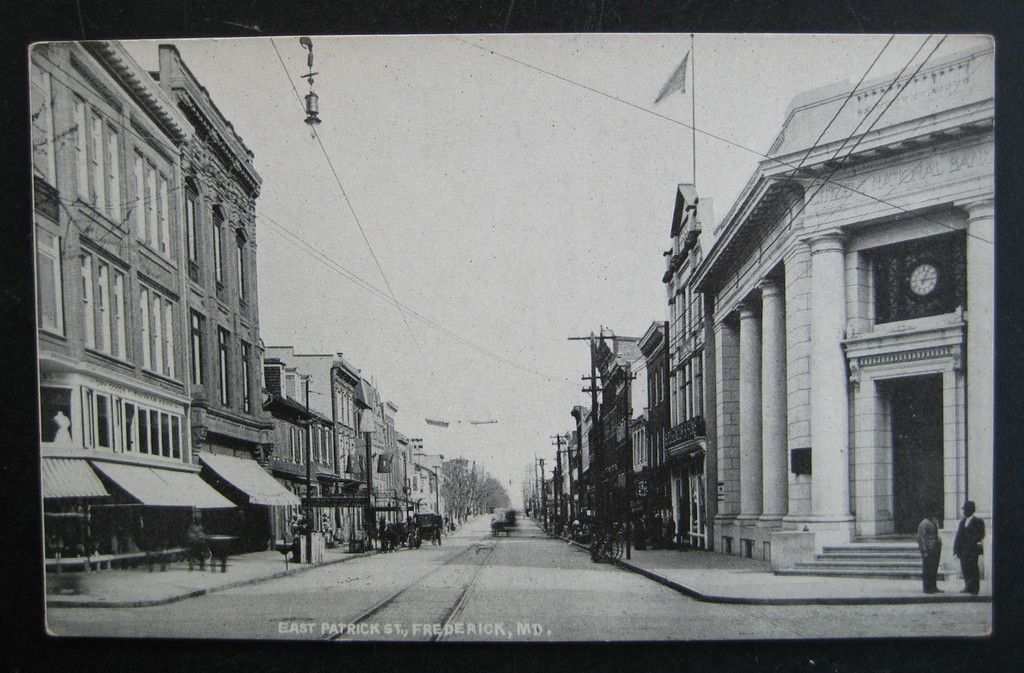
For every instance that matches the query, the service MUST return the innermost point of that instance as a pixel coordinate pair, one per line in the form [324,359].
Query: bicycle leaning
[608,543]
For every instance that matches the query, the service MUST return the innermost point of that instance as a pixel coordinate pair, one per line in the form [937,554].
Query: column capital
[770,287]
[831,240]
[978,208]
[747,310]
[795,249]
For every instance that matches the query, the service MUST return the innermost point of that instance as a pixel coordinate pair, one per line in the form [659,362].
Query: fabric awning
[70,478]
[161,487]
[251,479]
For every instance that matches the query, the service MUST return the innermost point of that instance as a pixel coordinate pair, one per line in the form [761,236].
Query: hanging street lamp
[312,100]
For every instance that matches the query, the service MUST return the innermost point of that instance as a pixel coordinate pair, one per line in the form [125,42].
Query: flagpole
[693,110]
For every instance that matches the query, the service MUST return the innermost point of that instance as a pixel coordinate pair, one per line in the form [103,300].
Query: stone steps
[876,573]
[878,556]
[860,563]
[878,560]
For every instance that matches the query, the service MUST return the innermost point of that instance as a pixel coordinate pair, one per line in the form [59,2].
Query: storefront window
[103,435]
[175,437]
[129,443]
[143,421]
[55,412]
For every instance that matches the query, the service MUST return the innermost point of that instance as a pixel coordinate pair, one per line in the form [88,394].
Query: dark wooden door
[917,450]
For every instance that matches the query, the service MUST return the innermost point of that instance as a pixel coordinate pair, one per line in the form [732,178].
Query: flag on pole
[677,82]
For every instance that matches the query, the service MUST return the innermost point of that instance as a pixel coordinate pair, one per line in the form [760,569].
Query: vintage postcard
[517,338]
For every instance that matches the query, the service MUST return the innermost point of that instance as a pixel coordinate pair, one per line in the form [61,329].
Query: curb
[750,600]
[61,603]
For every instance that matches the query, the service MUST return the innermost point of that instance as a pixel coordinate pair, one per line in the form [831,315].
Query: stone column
[727,417]
[980,362]
[798,370]
[774,463]
[750,413]
[830,461]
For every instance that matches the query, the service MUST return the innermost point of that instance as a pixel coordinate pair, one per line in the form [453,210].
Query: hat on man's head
[969,507]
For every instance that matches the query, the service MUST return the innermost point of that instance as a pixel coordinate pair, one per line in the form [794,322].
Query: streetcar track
[460,601]
[381,605]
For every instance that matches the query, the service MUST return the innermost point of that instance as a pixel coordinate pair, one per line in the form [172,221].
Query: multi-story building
[112,307]
[658,489]
[690,452]
[217,253]
[332,382]
[852,307]
[384,501]
[584,485]
[303,459]
[616,364]
[426,489]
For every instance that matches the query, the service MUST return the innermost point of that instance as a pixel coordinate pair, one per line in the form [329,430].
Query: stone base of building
[747,536]
[805,537]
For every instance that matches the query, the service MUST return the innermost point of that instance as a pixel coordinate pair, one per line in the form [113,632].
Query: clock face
[923,279]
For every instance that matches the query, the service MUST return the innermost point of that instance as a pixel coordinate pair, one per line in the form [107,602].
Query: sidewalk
[138,587]
[723,578]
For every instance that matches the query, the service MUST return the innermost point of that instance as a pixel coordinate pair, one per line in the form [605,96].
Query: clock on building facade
[924,279]
[919,278]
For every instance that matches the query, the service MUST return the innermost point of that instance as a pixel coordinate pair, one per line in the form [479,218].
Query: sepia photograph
[515,337]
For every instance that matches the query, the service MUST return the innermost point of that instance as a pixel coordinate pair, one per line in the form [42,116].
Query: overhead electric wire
[673,342]
[697,129]
[348,202]
[324,259]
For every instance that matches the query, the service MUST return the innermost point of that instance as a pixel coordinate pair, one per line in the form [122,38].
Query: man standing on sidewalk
[967,547]
[931,547]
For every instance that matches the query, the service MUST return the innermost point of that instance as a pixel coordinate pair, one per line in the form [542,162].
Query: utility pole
[543,494]
[310,524]
[567,506]
[595,434]
[629,464]
[537,490]
[577,413]
[367,423]
[559,501]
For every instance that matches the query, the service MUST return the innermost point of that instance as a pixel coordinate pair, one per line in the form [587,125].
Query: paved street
[525,587]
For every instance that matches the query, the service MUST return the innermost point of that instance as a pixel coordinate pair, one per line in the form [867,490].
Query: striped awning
[162,487]
[251,479]
[70,478]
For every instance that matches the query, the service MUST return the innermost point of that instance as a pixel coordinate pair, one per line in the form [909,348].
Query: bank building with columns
[849,297]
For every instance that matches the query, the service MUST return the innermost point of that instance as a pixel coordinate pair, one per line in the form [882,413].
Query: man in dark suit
[967,547]
[931,548]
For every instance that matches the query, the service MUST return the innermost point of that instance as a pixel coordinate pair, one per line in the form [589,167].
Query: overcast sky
[511,207]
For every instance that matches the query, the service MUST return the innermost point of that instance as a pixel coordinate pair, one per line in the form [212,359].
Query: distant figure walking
[967,547]
[931,548]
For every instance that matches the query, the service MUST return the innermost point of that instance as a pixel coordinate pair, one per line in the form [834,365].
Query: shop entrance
[698,521]
[916,404]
